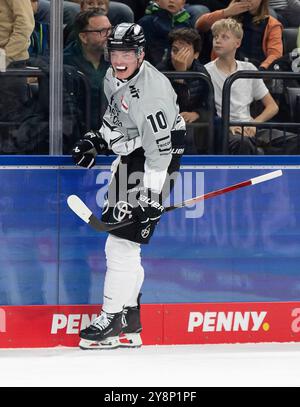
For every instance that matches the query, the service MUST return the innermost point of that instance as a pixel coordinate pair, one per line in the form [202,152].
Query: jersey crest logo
[124,105]
[114,113]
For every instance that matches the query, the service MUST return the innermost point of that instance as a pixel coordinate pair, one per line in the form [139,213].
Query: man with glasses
[87,55]
[116,13]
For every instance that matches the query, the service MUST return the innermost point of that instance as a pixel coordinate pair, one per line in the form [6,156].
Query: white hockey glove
[85,151]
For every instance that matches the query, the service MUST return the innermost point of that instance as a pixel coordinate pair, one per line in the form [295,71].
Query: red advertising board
[163,324]
[232,322]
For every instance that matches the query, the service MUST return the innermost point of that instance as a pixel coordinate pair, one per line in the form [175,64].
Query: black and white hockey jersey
[142,112]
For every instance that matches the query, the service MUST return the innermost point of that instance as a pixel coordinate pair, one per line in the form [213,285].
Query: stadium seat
[289,38]
[293,95]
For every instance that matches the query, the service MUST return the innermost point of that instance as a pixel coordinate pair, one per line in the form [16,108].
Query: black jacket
[193,93]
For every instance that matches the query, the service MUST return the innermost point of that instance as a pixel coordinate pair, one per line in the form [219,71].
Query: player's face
[125,62]
[172,6]
[225,43]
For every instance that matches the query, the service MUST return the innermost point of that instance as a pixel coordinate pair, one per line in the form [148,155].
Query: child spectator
[227,37]
[193,94]
[160,18]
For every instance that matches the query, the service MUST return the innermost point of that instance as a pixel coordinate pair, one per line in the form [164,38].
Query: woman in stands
[262,41]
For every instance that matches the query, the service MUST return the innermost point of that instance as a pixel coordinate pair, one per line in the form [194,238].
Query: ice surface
[276,364]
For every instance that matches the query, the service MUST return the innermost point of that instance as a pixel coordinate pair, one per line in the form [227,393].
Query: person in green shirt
[86,54]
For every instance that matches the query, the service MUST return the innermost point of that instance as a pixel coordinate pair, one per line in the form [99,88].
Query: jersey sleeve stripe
[162,138]
[113,141]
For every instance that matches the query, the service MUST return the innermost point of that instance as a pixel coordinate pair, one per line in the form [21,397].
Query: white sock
[124,274]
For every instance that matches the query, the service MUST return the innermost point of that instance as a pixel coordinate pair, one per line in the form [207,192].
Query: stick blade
[84,213]
[79,208]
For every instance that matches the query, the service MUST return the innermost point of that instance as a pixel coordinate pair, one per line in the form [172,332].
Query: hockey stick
[81,210]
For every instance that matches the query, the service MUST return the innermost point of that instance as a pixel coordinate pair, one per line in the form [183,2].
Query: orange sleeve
[272,42]
[205,22]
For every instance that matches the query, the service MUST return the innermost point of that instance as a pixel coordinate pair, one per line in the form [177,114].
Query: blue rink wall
[239,247]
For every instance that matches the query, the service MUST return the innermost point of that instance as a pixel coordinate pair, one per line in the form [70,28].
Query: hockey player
[143,127]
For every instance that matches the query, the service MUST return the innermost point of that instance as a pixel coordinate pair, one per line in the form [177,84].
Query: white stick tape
[266,177]
[77,206]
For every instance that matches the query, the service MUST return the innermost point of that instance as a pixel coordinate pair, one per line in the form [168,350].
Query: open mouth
[121,68]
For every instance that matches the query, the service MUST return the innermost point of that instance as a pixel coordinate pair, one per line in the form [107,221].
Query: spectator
[227,37]
[192,93]
[160,18]
[87,55]
[262,40]
[116,13]
[40,38]
[17,24]
[287,11]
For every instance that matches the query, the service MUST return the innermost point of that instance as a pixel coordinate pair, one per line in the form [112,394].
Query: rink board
[163,324]
[239,248]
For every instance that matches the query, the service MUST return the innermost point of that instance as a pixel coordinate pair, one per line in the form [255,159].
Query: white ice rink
[236,365]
